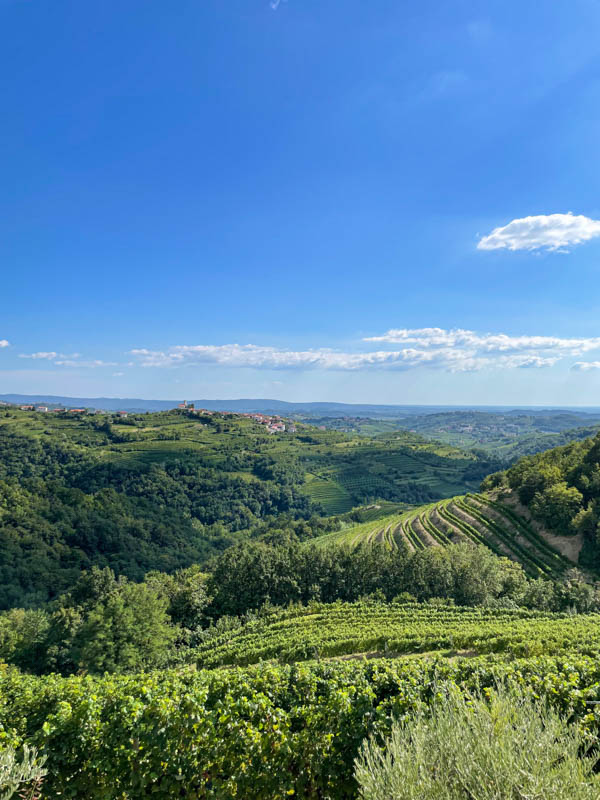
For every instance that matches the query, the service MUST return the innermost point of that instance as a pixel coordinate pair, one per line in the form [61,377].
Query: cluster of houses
[62,410]
[273,423]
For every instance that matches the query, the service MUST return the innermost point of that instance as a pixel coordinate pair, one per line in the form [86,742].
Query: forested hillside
[561,489]
[165,490]
[336,627]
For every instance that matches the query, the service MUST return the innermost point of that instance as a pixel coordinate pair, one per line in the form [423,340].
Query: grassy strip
[421,545]
[523,555]
[525,529]
[438,535]
[472,533]
[412,535]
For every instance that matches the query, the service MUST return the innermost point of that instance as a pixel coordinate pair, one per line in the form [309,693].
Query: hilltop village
[271,422]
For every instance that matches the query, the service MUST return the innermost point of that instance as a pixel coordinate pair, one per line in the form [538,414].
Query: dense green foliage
[247,576]
[203,556]
[67,503]
[228,615]
[500,745]
[106,624]
[163,491]
[561,488]
[267,732]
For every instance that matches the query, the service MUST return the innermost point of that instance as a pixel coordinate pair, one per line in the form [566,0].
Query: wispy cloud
[553,232]
[4,343]
[250,355]
[48,355]
[70,362]
[585,366]
[67,359]
[435,348]
[42,355]
[486,342]
[276,3]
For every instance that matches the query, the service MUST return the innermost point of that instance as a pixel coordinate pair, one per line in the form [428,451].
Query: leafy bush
[503,746]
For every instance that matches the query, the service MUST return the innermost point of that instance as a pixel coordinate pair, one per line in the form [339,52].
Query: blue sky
[310,200]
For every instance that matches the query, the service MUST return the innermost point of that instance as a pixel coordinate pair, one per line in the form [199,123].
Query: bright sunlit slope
[476,518]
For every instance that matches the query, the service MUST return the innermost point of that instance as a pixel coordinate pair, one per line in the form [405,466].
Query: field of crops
[477,518]
[275,730]
[341,629]
[329,494]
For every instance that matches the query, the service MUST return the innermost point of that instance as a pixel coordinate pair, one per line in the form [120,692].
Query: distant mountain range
[266,406]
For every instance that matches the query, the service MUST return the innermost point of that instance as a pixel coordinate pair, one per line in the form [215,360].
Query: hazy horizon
[18,397]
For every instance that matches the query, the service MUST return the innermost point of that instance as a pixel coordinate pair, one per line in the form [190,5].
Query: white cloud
[485,342]
[461,350]
[69,362]
[67,359]
[545,231]
[435,348]
[48,355]
[585,366]
[249,355]
[4,343]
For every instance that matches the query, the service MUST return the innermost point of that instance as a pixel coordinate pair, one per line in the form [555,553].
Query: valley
[187,581]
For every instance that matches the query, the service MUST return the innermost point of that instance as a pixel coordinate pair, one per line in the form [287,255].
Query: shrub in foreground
[505,745]
[21,774]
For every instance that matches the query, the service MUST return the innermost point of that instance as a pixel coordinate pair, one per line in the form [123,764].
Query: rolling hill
[163,490]
[167,489]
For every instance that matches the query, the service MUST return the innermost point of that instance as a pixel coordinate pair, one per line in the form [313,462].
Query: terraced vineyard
[340,629]
[476,518]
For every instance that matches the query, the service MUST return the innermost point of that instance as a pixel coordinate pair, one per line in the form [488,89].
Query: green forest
[561,489]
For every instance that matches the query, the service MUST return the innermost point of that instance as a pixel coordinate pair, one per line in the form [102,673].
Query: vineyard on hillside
[390,629]
[281,730]
[388,467]
[476,518]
